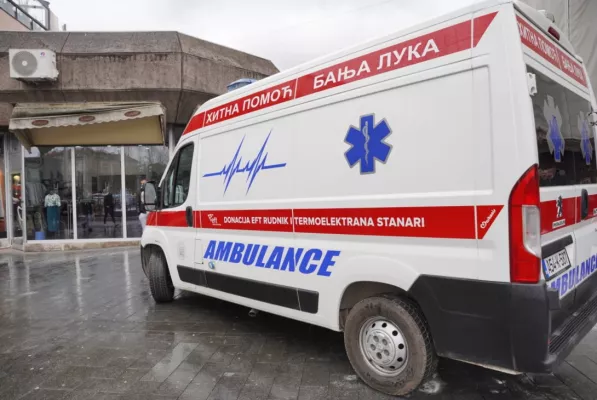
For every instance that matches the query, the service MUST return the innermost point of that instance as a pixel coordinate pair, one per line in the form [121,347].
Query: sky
[287,32]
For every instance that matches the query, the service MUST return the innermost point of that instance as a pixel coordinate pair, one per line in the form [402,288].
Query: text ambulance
[431,193]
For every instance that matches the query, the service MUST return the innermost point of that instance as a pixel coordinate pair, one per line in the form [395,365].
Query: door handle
[189,215]
[584,204]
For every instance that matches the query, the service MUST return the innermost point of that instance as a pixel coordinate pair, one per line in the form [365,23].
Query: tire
[145,253]
[160,282]
[392,331]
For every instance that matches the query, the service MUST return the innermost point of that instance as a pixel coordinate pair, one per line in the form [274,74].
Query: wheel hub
[383,346]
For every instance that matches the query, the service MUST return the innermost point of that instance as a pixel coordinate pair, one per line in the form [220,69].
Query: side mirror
[150,196]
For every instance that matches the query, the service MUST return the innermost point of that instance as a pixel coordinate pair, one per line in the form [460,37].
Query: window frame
[174,170]
[569,96]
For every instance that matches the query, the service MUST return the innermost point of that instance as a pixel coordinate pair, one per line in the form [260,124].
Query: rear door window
[564,137]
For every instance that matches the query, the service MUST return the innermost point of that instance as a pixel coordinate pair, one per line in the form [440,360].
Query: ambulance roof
[329,59]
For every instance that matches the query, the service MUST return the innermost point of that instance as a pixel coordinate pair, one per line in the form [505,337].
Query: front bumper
[500,324]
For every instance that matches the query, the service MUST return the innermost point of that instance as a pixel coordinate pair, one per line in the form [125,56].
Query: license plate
[555,263]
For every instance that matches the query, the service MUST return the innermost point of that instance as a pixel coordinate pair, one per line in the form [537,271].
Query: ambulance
[429,194]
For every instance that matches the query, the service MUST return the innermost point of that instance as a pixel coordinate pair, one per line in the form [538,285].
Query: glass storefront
[98,183]
[48,193]
[140,163]
[74,193]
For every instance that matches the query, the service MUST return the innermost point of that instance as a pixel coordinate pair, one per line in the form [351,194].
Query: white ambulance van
[430,194]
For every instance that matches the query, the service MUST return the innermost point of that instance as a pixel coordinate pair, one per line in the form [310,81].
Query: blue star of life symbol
[587,149]
[368,144]
[251,167]
[556,139]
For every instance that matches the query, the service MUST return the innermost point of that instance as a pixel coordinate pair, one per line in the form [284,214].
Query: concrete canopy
[177,70]
[88,124]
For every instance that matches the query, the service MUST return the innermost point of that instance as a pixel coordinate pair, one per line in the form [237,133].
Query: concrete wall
[178,70]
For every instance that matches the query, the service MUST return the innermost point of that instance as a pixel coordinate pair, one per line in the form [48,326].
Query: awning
[88,124]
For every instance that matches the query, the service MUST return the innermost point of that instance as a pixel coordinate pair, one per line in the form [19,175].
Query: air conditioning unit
[33,65]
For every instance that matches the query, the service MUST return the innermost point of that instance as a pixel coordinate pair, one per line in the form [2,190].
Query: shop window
[48,193]
[98,188]
[141,163]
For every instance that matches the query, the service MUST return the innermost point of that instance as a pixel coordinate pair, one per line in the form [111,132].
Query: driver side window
[178,180]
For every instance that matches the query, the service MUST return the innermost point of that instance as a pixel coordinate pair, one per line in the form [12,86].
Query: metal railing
[33,14]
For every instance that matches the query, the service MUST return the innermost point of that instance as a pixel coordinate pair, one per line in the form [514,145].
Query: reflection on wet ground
[84,326]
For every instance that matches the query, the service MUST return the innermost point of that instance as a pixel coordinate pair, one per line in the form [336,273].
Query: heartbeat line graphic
[250,167]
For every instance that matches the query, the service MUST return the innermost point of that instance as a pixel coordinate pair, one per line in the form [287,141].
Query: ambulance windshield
[565,138]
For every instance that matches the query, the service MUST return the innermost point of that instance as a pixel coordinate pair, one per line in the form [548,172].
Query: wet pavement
[84,326]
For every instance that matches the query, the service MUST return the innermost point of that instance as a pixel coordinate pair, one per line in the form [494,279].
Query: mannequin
[16,201]
[52,204]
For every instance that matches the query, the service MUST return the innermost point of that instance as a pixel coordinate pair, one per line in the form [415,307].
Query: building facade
[27,15]
[75,150]
[60,195]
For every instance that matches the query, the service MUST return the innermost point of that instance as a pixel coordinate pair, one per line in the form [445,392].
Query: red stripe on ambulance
[550,221]
[485,217]
[433,45]
[541,45]
[254,102]
[436,44]
[278,220]
[447,222]
[176,219]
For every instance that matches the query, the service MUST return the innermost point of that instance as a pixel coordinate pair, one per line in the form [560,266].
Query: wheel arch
[153,240]
[360,290]
[147,250]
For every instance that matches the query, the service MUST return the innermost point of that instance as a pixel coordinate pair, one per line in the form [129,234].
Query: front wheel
[389,345]
[160,282]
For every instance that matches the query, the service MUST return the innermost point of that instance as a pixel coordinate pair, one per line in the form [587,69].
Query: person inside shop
[87,210]
[109,206]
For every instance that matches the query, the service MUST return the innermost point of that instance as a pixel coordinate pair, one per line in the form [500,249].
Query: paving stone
[259,382]
[83,320]
[229,386]
[169,363]
[46,394]
[201,386]
[287,382]
[313,393]
[316,374]
[584,365]
[576,381]
[177,382]
[344,386]
[70,378]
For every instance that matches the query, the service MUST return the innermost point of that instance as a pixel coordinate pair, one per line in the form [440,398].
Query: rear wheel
[160,282]
[389,345]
